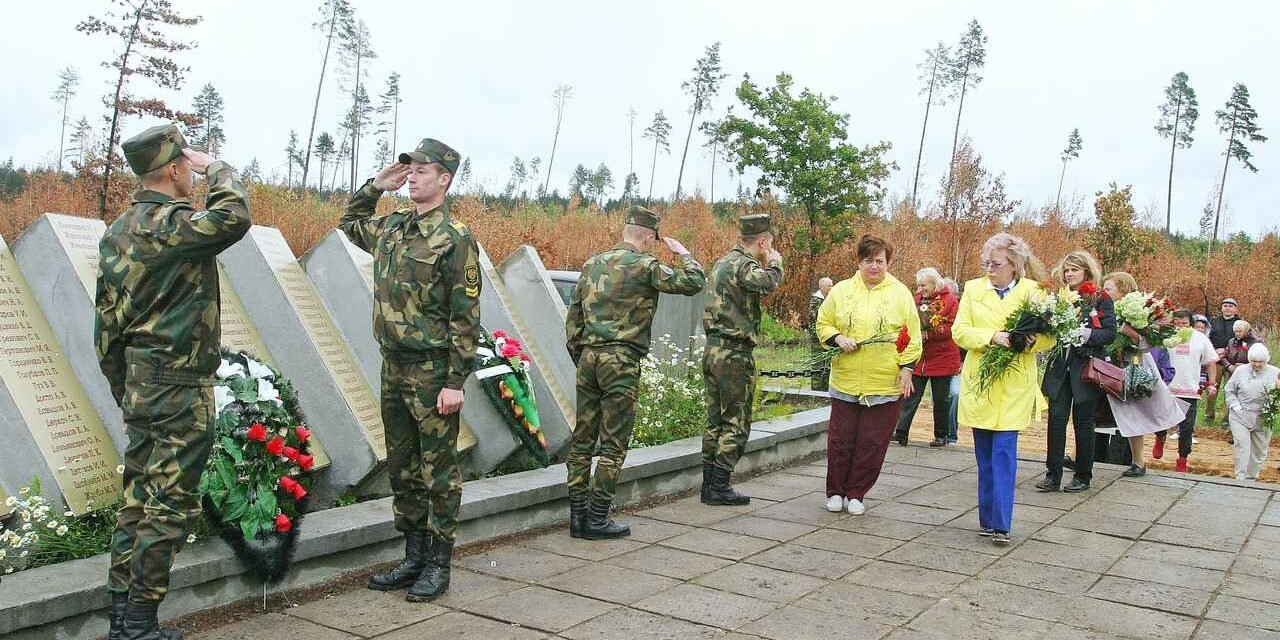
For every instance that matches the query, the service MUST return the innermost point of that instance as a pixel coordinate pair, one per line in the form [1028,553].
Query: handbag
[1105,375]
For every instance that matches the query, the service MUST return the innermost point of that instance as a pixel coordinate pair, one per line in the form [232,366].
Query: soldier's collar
[155,197]
[431,220]
[627,246]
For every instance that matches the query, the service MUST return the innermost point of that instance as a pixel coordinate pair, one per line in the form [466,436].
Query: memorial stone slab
[343,277]
[49,427]
[283,304]
[4,498]
[536,301]
[677,324]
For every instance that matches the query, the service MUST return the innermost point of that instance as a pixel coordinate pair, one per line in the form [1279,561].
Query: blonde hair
[1125,281]
[1082,260]
[1241,324]
[929,274]
[1025,264]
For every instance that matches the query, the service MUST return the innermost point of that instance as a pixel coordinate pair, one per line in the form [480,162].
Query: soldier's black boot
[434,580]
[141,623]
[577,516]
[119,602]
[599,526]
[721,492]
[706,480]
[416,548]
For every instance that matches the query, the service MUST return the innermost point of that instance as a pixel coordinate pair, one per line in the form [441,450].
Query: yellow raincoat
[860,313]
[1012,400]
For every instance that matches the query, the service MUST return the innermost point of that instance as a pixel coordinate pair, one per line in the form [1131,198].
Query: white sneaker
[1173,436]
[1195,440]
[835,504]
[856,507]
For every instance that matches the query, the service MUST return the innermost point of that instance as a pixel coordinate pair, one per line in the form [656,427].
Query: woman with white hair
[1247,393]
[941,360]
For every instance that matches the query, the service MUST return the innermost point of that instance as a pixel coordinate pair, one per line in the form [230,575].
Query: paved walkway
[1165,558]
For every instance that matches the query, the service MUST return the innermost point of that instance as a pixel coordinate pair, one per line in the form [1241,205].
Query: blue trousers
[997,453]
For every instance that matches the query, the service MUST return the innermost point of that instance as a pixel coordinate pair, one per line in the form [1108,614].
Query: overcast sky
[479,75]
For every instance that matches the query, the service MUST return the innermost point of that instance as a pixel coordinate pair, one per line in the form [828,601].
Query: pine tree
[291,156]
[1239,121]
[464,174]
[1177,122]
[934,67]
[68,81]
[357,50]
[253,172]
[559,98]
[325,149]
[703,86]
[208,108]
[579,181]
[962,73]
[389,109]
[600,183]
[81,141]
[335,15]
[659,132]
[1074,144]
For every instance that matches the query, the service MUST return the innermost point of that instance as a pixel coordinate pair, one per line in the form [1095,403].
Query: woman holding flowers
[1138,416]
[1252,399]
[999,382]
[940,361]
[871,318]
[1068,394]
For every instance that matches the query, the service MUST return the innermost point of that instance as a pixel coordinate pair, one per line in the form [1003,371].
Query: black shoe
[1000,539]
[140,623]
[938,442]
[721,492]
[599,526]
[1134,471]
[1077,485]
[901,439]
[434,580]
[417,547]
[119,603]
[1049,484]
[577,516]
[706,480]
[1068,463]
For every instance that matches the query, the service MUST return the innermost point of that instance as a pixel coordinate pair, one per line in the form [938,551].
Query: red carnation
[1088,288]
[299,492]
[290,453]
[305,462]
[499,334]
[303,433]
[257,432]
[904,339]
[515,343]
[276,446]
[288,484]
[283,523]
[525,357]
[510,351]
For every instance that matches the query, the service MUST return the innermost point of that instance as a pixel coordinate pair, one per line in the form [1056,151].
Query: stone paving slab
[1155,557]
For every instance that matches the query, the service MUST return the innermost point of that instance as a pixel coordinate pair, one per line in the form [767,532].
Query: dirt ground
[1211,457]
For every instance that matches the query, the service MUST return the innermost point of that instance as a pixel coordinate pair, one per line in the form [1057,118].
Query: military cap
[432,150]
[643,217]
[754,224]
[153,148]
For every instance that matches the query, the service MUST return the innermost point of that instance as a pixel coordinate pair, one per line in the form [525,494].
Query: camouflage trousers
[422,449]
[729,376]
[608,381]
[818,379]
[170,434]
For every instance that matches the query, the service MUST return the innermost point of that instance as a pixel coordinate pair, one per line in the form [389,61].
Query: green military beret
[643,217]
[754,224]
[153,148]
[432,150]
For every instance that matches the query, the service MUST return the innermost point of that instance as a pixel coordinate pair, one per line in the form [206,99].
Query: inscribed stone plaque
[343,277]
[49,427]
[537,304]
[4,508]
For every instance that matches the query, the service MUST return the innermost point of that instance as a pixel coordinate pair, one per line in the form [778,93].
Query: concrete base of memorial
[68,601]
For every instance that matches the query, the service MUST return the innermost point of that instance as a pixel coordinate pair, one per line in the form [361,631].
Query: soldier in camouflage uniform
[426,317]
[818,379]
[732,324]
[607,333]
[157,335]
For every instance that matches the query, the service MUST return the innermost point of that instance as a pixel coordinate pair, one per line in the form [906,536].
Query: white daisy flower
[61,530]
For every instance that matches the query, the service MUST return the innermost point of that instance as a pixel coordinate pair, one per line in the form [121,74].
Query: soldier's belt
[150,374]
[429,356]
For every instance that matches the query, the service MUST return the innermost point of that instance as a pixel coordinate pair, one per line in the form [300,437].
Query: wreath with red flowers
[256,485]
[502,367]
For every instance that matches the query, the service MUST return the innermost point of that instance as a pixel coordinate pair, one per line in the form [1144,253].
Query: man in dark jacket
[1221,330]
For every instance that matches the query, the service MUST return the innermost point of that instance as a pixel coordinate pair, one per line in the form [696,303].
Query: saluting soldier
[608,329]
[426,317]
[157,335]
[732,323]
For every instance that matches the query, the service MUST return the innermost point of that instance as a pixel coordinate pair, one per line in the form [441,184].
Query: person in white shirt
[1187,361]
[1247,392]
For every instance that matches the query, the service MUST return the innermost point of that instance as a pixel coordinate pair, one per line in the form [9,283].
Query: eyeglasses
[991,265]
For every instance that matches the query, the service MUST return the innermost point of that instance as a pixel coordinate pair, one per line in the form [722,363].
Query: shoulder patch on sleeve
[471,277]
[459,226]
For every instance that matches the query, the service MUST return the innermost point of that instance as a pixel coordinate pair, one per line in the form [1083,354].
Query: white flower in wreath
[222,396]
[259,370]
[268,392]
[229,369]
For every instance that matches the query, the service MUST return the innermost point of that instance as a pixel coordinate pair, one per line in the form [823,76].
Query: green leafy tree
[933,72]
[143,32]
[630,188]
[1239,121]
[799,144]
[325,148]
[1115,238]
[963,72]
[702,87]
[1177,122]
[68,81]
[1074,144]
[208,108]
[81,141]
[579,181]
[335,16]
[660,132]
[600,184]
[559,97]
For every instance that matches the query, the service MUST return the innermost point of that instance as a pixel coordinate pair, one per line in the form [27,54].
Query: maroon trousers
[857,439]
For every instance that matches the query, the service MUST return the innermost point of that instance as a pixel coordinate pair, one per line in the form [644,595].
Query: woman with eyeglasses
[998,414]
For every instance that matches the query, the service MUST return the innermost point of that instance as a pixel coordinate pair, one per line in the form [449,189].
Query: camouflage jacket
[426,282]
[737,283]
[617,295]
[157,302]
[815,303]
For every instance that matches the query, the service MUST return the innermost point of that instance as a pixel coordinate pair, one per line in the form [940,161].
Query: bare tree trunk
[1057,200]
[713,173]
[115,112]
[62,135]
[955,140]
[1173,148]
[1222,186]
[688,136]
[915,182]
[355,119]
[652,169]
[555,140]
[315,109]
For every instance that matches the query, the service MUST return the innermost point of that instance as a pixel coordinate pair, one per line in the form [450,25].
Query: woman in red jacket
[941,360]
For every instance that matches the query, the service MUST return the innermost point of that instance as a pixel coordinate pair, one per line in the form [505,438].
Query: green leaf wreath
[502,367]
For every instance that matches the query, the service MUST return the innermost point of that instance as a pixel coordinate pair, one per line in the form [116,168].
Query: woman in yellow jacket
[868,381]
[998,414]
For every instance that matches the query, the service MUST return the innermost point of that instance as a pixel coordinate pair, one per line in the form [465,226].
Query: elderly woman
[941,360]
[1070,397]
[865,317]
[1236,354]
[1247,393]
[999,413]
